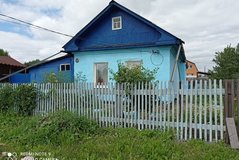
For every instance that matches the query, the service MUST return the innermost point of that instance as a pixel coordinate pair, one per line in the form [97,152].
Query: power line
[33,25]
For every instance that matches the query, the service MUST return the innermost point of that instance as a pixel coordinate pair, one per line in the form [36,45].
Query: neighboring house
[8,65]
[62,67]
[192,70]
[118,35]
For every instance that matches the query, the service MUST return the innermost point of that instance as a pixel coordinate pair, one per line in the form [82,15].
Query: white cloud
[205,26]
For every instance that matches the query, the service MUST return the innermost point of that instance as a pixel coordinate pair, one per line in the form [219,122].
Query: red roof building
[9,65]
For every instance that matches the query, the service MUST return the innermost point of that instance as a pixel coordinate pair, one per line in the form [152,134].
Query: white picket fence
[193,108]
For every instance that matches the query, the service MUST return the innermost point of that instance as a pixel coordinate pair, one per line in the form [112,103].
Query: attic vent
[116,23]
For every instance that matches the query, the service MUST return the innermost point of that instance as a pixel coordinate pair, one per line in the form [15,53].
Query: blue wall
[150,60]
[38,74]
[134,33]
[20,78]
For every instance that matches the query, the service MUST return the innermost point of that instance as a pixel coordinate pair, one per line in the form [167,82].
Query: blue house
[118,35]
[61,67]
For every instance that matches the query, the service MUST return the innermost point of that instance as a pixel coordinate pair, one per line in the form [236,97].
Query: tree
[29,63]
[3,52]
[133,74]
[227,64]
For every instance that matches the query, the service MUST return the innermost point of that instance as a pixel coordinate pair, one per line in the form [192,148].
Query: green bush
[6,98]
[22,99]
[26,99]
[134,74]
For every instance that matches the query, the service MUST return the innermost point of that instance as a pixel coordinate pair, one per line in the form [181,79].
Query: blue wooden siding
[150,60]
[136,32]
[20,78]
[138,39]
[39,73]
[133,33]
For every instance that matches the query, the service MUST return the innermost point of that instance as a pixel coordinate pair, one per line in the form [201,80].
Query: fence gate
[231,112]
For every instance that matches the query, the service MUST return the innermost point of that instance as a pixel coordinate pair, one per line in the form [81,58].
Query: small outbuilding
[9,65]
[61,68]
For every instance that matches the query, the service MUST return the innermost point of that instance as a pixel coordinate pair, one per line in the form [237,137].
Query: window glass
[132,64]
[65,67]
[116,23]
[101,73]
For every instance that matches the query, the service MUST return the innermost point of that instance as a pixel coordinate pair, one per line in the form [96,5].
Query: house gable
[136,32]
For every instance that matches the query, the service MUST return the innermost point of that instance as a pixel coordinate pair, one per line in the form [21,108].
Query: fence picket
[177,110]
[221,109]
[168,105]
[200,109]
[195,109]
[190,109]
[205,110]
[215,107]
[157,104]
[186,114]
[164,104]
[161,105]
[210,110]
[182,109]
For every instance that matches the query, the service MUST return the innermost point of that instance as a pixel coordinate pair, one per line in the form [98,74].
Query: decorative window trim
[65,64]
[113,18]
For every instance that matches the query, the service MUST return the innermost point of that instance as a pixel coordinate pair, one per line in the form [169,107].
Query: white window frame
[113,28]
[65,67]
[95,81]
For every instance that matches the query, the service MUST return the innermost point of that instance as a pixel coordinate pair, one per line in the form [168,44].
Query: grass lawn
[67,136]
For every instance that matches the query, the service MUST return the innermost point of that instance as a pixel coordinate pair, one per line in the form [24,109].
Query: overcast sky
[206,26]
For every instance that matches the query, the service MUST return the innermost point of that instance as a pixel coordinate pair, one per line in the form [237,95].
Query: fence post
[228,103]
[237,93]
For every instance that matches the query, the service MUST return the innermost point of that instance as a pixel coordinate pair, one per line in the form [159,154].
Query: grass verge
[66,136]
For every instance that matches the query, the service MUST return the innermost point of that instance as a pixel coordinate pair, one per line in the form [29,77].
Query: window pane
[62,67]
[132,64]
[116,22]
[67,67]
[101,72]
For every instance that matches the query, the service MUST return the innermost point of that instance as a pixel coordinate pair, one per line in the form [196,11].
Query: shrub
[21,99]
[26,99]
[133,74]
[6,98]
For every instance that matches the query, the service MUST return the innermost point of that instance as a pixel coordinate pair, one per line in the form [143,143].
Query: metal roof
[7,60]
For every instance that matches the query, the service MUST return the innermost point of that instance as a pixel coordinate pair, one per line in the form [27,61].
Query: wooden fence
[193,108]
[231,112]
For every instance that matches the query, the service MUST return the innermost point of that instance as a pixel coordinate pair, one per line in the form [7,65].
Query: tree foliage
[133,74]
[227,64]
[29,63]
[3,52]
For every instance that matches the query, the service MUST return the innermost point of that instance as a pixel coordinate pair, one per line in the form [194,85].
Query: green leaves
[134,74]
[22,99]
[3,52]
[227,64]
[6,98]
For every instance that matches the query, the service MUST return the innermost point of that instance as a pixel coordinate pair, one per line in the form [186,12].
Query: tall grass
[68,136]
